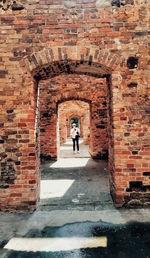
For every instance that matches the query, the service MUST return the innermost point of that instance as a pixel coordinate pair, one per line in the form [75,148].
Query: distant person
[75,134]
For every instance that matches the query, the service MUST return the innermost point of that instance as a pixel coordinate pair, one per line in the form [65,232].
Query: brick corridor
[54,51]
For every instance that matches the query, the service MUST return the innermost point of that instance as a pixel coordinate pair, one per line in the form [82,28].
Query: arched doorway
[75,120]
[49,63]
[57,91]
[87,89]
[74,111]
[97,63]
[69,112]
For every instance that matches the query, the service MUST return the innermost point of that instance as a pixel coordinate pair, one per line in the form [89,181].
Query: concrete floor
[66,150]
[75,182]
[70,234]
[76,229]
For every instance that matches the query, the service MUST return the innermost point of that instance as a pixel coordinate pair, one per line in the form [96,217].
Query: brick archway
[74,109]
[80,118]
[87,89]
[70,111]
[75,115]
[42,65]
[92,61]
[38,63]
[87,40]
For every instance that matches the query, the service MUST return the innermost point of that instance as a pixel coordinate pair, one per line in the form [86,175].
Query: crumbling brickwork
[48,40]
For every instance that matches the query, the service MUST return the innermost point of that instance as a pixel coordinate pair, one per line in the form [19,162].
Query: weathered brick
[111,46]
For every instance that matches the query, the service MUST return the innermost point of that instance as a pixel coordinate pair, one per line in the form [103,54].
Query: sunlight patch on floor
[70,163]
[55,244]
[65,148]
[54,188]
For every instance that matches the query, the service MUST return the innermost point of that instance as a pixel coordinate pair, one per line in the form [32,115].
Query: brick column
[18,183]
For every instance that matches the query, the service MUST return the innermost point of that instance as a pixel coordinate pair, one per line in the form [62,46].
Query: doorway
[81,181]
[75,120]
[69,112]
[76,87]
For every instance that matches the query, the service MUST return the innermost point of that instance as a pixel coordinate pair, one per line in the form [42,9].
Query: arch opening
[74,87]
[93,90]
[70,112]
[75,120]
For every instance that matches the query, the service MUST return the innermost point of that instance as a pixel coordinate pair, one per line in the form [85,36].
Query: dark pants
[76,142]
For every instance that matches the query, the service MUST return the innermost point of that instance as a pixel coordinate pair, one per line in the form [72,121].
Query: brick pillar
[18,182]
[118,147]
[99,132]
[48,137]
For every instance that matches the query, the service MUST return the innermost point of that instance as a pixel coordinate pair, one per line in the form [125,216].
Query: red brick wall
[41,40]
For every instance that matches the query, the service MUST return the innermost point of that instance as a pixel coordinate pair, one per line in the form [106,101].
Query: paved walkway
[66,150]
[75,182]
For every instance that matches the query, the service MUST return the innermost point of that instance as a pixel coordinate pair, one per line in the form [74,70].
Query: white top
[74,132]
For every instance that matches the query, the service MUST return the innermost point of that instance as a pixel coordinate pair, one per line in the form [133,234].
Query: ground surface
[66,150]
[82,187]
[75,217]
[75,182]
[127,233]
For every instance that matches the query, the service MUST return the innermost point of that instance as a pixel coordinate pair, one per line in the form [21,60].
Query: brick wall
[48,40]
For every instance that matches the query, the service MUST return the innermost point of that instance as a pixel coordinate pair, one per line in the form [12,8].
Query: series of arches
[92,61]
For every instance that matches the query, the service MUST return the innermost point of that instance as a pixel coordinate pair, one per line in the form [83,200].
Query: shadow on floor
[122,241]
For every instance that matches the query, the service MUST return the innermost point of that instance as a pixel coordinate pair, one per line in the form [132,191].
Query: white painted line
[55,244]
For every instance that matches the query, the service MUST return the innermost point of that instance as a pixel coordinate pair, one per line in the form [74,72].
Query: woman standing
[75,134]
